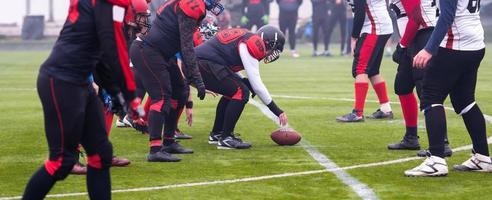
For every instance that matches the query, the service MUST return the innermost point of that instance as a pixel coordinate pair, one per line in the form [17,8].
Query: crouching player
[456,47]
[416,20]
[72,111]
[231,51]
[372,29]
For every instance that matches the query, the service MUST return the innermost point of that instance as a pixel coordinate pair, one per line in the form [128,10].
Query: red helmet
[137,16]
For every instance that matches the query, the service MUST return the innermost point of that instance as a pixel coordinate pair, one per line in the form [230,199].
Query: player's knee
[103,157]
[401,89]
[60,167]
[462,108]
[425,107]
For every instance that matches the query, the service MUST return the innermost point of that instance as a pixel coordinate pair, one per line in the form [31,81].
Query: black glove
[399,52]
[246,81]
[201,91]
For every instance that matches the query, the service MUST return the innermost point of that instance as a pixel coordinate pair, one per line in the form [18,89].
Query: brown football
[285,136]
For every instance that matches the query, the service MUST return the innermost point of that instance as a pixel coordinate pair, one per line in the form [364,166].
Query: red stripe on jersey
[123,56]
[73,11]
[366,53]
[449,43]
[371,19]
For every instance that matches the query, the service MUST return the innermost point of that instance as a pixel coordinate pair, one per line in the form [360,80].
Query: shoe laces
[236,136]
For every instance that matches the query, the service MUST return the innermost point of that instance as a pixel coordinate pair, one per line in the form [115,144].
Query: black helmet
[274,41]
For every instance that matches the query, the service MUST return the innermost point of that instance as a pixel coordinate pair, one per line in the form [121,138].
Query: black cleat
[214,138]
[381,115]
[447,152]
[182,136]
[162,156]
[232,142]
[176,148]
[351,117]
[406,144]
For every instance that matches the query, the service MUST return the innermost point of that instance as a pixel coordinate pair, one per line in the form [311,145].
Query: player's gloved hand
[265,19]
[399,52]
[247,83]
[201,91]
[244,20]
[135,110]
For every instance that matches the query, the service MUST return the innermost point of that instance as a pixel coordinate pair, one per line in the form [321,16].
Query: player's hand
[96,87]
[399,52]
[189,116]
[283,119]
[135,110]
[421,60]
[244,20]
[352,44]
[201,91]
[265,19]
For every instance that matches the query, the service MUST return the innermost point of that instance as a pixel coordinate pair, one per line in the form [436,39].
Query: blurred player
[416,20]
[372,29]
[456,48]
[220,58]
[256,13]
[72,111]
[172,31]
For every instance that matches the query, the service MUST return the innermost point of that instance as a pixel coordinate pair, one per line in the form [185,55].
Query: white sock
[386,107]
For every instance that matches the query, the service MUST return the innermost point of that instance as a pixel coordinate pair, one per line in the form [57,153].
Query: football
[285,136]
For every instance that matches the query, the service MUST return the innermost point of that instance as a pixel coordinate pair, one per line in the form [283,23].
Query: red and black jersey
[93,32]
[223,48]
[197,38]
[164,34]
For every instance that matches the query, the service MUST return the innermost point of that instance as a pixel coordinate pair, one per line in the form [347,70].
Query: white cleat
[120,124]
[432,166]
[477,163]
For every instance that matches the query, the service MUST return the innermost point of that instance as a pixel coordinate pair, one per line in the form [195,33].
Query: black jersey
[92,32]
[223,48]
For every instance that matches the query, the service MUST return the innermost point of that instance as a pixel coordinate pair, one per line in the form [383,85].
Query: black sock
[232,114]
[98,183]
[168,141]
[40,184]
[156,121]
[411,133]
[475,124]
[435,121]
[219,115]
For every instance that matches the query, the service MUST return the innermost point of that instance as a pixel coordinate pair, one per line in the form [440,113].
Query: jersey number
[473,6]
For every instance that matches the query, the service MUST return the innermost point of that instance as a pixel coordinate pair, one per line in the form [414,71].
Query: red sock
[108,115]
[381,91]
[410,109]
[147,110]
[360,97]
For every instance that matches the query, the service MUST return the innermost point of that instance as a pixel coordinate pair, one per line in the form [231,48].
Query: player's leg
[364,47]
[219,121]
[291,27]
[331,24]
[63,105]
[463,100]
[377,80]
[342,17]
[404,85]
[316,26]
[99,151]
[182,105]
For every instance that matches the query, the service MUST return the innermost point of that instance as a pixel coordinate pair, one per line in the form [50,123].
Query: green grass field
[318,86]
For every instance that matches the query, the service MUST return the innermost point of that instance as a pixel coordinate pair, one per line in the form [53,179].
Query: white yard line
[361,189]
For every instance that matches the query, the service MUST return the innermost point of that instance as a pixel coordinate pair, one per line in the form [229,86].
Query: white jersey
[377,20]
[466,33]
[428,13]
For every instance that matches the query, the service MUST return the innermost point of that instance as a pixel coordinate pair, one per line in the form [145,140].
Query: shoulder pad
[193,8]
[256,47]
[121,3]
[229,35]
[197,38]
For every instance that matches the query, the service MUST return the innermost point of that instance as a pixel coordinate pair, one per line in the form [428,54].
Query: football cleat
[79,169]
[381,115]
[477,163]
[119,162]
[432,166]
[214,138]
[176,148]
[120,124]
[162,156]
[406,144]
[351,117]
[232,142]
[448,152]
[182,136]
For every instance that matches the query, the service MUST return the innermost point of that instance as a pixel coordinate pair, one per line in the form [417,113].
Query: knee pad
[60,167]
[426,108]
[463,110]
[103,157]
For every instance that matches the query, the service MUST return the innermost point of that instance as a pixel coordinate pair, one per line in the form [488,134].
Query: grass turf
[23,145]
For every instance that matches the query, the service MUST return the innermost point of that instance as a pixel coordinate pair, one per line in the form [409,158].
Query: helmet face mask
[274,41]
[214,6]
[142,22]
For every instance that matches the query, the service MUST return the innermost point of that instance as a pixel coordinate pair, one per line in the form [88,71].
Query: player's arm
[187,27]
[359,17]
[109,17]
[252,68]
[414,14]
[446,18]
